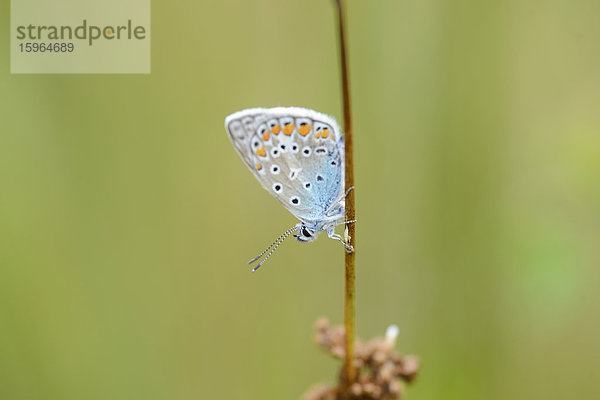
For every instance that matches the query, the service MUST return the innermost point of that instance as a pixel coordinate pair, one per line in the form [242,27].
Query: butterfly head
[305,233]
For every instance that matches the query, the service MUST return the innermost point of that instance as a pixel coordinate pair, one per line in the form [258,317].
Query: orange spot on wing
[261,152]
[258,167]
[325,133]
[275,129]
[288,129]
[317,135]
[265,136]
[304,129]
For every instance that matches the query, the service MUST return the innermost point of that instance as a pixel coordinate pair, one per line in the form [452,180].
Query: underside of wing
[296,154]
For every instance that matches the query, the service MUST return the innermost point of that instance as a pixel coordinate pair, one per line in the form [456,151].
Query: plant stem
[349,301]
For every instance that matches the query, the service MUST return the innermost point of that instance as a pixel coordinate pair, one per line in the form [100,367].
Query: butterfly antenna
[272,244]
[275,245]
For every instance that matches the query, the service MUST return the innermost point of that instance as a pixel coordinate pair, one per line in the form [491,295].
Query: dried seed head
[379,370]
[387,372]
[322,324]
[356,389]
[396,390]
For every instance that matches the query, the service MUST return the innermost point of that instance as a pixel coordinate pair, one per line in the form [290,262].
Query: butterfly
[297,155]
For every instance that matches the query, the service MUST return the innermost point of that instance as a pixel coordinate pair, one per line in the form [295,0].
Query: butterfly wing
[297,155]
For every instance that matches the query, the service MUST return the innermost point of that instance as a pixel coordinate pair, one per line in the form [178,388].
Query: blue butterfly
[297,155]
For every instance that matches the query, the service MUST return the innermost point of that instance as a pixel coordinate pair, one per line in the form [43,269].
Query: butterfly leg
[348,191]
[331,233]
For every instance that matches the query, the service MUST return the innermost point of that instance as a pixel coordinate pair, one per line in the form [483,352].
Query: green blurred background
[127,218]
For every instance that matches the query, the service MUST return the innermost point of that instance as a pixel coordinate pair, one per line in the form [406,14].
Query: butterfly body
[297,155]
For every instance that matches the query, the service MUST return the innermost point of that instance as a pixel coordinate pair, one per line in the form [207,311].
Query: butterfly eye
[305,232]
